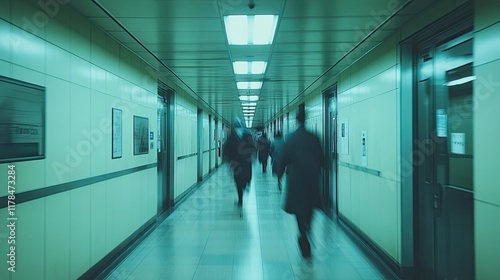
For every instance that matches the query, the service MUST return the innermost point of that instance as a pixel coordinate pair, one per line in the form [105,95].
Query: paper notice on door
[441,123]
[344,136]
[458,143]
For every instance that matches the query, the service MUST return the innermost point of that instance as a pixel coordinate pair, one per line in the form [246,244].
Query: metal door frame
[440,31]
[330,186]
[166,184]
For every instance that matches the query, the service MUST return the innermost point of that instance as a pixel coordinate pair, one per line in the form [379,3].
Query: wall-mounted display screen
[141,135]
[22,121]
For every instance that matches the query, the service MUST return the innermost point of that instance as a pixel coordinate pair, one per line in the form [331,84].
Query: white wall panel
[58,63]
[367,98]
[57,143]
[27,50]
[486,150]
[80,35]
[98,222]
[79,231]
[80,71]
[487,230]
[80,148]
[30,249]
[98,134]
[185,142]
[5,68]
[57,237]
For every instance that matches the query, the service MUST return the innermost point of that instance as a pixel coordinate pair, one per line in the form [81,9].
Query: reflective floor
[207,237]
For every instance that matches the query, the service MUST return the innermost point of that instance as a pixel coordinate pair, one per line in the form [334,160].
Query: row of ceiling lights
[250,30]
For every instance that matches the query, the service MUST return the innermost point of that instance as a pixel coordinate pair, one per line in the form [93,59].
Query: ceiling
[186,41]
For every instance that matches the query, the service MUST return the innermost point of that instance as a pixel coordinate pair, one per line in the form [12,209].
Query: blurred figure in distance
[264,146]
[276,151]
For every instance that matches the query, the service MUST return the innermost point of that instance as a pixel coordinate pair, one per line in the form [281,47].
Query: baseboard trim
[104,267]
[385,263]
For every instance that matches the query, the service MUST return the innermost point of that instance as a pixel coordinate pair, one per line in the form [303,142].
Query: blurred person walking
[264,146]
[275,152]
[303,159]
[238,152]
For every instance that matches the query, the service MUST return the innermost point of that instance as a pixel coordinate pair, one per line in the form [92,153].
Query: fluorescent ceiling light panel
[240,67]
[249,67]
[258,67]
[249,104]
[250,30]
[255,85]
[237,29]
[249,98]
[249,111]
[249,85]
[264,28]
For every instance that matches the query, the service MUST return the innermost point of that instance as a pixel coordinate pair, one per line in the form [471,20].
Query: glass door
[443,159]
[330,185]
[162,160]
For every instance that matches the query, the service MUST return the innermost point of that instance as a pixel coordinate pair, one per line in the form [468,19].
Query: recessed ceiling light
[249,85]
[250,29]
[249,104]
[249,98]
[249,67]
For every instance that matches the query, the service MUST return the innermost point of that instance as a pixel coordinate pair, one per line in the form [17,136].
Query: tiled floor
[205,238]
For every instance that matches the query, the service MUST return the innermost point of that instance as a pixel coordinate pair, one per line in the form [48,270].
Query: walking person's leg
[240,184]
[304,224]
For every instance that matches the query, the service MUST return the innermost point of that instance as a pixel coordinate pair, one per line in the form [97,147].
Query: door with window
[165,148]
[330,182]
[443,156]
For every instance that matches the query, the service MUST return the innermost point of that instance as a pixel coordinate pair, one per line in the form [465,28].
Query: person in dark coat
[264,146]
[275,152]
[303,158]
[238,151]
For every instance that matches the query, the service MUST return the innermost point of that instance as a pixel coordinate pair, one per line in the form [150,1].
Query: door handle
[438,200]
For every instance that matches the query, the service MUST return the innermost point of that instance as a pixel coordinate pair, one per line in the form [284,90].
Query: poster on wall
[116,133]
[141,135]
[344,136]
